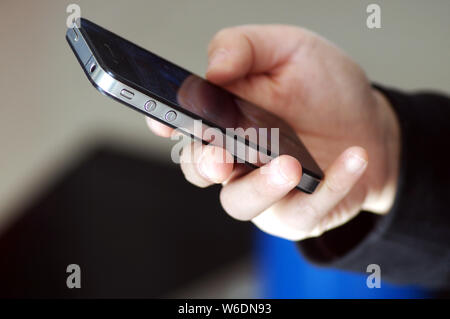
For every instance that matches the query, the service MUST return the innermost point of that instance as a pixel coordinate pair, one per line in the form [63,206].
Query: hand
[349,128]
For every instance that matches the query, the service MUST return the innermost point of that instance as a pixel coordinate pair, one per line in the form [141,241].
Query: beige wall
[49,113]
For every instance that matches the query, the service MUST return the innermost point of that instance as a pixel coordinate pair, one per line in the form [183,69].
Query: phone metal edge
[108,85]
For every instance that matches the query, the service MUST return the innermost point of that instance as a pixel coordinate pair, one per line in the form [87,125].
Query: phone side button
[150,105]
[171,116]
[127,94]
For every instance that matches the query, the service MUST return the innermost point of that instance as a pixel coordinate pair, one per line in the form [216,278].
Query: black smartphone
[178,98]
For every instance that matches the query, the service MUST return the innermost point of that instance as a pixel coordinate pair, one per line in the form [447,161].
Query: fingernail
[355,163]
[217,57]
[279,172]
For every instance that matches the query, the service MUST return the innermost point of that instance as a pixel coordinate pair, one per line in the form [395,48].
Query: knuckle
[255,187]
[333,185]
[191,152]
[229,206]
[304,220]
[343,208]
[218,37]
[186,156]
[316,231]
[302,33]
[222,33]
[260,187]
[309,218]
[192,177]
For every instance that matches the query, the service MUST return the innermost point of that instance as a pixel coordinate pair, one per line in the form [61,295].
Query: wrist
[388,143]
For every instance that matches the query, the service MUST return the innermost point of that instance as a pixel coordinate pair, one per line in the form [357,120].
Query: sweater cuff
[395,241]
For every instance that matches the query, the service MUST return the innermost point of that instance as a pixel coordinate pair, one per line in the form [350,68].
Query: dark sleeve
[412,242]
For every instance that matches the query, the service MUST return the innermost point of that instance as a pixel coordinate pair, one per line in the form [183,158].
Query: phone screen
[186,91]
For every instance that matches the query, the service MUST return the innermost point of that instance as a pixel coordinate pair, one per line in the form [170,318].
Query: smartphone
[182,100]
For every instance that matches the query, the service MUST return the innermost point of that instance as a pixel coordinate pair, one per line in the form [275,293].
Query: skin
[348,126]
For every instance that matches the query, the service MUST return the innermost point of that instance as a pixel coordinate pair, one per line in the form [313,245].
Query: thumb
[250,49]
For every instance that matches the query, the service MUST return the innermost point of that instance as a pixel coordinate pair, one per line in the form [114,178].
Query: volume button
[171,116]
[127,94]
[150,105]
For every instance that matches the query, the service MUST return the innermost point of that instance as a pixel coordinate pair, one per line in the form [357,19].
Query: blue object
[283,273]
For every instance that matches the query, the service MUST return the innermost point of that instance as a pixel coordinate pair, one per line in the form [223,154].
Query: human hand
[330,104]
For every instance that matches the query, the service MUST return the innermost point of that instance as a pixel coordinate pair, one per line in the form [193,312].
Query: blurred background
[83,181]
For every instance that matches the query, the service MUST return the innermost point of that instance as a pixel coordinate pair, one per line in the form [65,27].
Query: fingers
[245,197]
[158,128]
[250,49]
[300,215]
[204,165]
